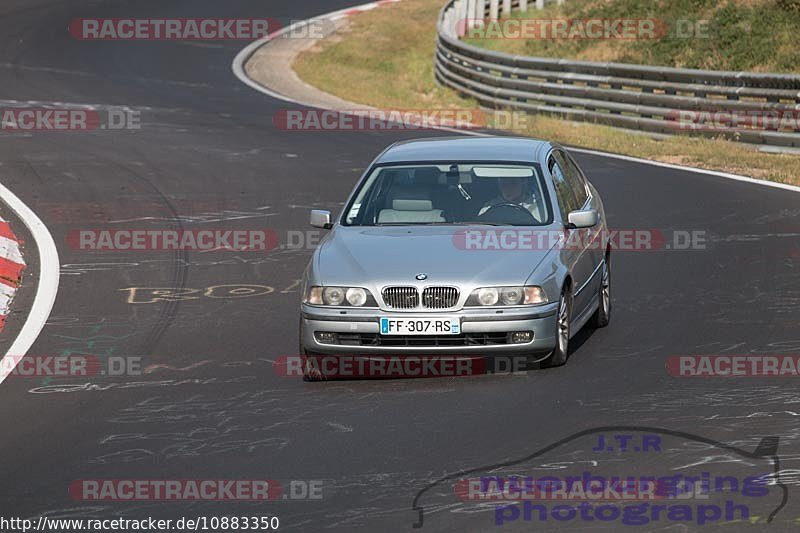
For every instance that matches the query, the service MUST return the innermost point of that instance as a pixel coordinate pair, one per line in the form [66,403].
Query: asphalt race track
[211,406]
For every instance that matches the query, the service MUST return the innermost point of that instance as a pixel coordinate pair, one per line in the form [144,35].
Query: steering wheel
[514,212]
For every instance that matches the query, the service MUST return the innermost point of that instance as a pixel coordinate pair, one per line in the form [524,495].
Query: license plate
[446,325]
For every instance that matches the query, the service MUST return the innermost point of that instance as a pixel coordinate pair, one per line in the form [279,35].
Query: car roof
[455,149]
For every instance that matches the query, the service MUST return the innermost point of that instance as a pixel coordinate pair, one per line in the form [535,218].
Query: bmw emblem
[421,277]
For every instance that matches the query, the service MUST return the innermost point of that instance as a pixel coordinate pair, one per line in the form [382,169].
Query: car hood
[379,255]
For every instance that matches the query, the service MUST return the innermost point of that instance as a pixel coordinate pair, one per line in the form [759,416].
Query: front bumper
[358,332]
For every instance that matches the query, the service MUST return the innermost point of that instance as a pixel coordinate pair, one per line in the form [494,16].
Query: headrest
[409,192]
[412,205]
[398,176]
[426,175]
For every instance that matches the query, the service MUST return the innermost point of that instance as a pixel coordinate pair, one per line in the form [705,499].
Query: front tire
[311,362]
[561,351]
[602,316]
[311,367]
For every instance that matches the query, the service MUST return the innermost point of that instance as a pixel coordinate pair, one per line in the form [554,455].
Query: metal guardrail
[763,108]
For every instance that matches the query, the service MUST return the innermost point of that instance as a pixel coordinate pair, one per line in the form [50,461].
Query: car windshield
[451,193]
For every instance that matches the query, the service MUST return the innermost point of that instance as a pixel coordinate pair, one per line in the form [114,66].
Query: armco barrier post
[461,15]
[506,7]
[470,14]
[480,12]
[494,9]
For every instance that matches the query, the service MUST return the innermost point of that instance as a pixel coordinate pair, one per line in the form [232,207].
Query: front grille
[439,297]
[464,339]
[401,297]
[432,297]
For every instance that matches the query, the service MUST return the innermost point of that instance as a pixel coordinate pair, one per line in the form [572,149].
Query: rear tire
[602,316]
[561,351]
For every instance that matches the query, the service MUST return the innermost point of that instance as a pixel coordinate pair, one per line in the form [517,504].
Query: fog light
[521,337]
[326,337]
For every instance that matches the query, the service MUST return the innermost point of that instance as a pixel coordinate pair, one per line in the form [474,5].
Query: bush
[792,6]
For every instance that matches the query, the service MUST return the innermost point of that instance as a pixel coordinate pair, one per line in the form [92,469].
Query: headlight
[487,296]
[340,296]
[356,296]
[333,295]
[511,295]
[491,296]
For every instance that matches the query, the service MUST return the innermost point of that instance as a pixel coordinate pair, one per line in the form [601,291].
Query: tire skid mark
[179,267]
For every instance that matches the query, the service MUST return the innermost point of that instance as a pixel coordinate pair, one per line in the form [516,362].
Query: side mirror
[321,219]
[582,219]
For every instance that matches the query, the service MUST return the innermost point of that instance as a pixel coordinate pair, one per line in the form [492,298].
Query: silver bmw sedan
[472,246]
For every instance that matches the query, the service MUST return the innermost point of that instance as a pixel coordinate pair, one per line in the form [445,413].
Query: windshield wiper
[437,224]
[473,224]
[377,224]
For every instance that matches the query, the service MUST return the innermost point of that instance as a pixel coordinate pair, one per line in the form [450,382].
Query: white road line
[728,175]
[242,57]
[49,267]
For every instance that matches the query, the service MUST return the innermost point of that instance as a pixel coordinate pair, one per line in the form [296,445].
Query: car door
[579,258]
[588,200]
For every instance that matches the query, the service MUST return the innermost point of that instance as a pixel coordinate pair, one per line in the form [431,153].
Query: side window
[574,178]
[566,199]
[363,210]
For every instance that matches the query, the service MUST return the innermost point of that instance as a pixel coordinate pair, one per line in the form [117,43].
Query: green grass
[386,57]
[754,35]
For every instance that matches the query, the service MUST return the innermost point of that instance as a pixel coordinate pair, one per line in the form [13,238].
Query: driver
[513,191]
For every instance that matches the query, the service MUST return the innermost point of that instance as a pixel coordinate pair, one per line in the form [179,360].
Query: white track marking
[728,175]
